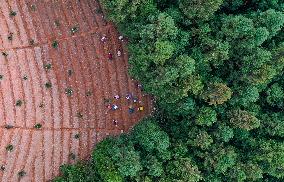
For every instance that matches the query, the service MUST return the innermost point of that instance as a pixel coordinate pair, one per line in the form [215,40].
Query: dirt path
[57,86]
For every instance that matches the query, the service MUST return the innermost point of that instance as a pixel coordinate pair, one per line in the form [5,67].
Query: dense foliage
[216,70]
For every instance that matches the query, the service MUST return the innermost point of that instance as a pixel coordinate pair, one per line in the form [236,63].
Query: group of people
[111,106]
[110,55]
[129,96]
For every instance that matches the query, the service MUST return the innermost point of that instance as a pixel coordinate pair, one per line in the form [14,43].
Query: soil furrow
[60,74]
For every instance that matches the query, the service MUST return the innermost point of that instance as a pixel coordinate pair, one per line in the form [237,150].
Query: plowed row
[71,124]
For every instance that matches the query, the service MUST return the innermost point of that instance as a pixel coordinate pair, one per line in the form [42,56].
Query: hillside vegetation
[216,70]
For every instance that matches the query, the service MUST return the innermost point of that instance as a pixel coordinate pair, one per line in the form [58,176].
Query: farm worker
[110,56]
[141,108]
[118,53]
[116,97]
[103,39]
[114,107]
[140,86]
[120,37]
[115,122]
[109,106]
[128,96]
[131,110]
[135,100]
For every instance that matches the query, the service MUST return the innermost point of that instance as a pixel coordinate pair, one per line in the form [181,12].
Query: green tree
[105,166]
[125,157]
[150,137]
[246,95]
[199,138]
[273,124]
[243,119]
[200,9]
[125,9]
[275,95]
[270,19]
[206,116]
[270,155]
[154,166]
[223,133]
[217,93]
[215,69]
[220,159]
[184,170]
[163,51]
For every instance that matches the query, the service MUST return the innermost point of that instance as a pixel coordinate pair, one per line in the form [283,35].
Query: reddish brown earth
[26,38]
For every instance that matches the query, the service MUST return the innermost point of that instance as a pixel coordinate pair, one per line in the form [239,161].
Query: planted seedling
[41,105]
[32,42]
[88,93]
[68,91]
[19,103]
[99,11]
[74,29]
[70,72]
[47,66]
[8,126]
[72,156]
[9,147]
[10,36]
[33,7]
[57,23]
[13,13]
[54,44]
[77,136]
[37,126]
[4,54]
[25,77]
[79,115]
[48,85]
[22,173]
[107,101]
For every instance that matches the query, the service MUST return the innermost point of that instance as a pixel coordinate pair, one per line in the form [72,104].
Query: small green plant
[33,7]
[13,13]
[9,147]
[25,77]
[8,126]
[88,93]
[5,54]
[19,103]
[68,91]
[1,77]
[74,30]
[99,11]
[70,72]
[57,23]
[77,136]
[72,156]
[107,101]
[41,105]
[47,66]
[48,85]
[10,36]
[54,44]
[79,115]
[38,126]
[32,42]
[22,173]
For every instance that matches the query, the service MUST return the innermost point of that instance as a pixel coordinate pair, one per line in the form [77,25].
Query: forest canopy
[216,69]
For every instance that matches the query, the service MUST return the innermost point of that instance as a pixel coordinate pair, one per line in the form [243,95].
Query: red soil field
[56,83]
